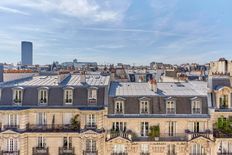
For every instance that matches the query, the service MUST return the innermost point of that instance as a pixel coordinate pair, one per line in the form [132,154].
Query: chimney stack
[83,77]
[153,85]
[1,72]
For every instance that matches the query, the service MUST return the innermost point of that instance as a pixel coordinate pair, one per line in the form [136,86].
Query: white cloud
[89,10]
[11,10]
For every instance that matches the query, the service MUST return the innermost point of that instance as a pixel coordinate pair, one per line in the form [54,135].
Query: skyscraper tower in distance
[26,53]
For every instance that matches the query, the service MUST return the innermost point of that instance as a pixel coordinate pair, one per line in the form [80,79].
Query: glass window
[43,96]
[223,100]
[68,96]
[144,107]
[119,107]
[41,118]
[119,126]
[171,128]
[144,129]
[91,120]
[18,96]
[41,142]
[119,148]
[92,96]
[196,107]
[170,107]
[144,148]
[91,145]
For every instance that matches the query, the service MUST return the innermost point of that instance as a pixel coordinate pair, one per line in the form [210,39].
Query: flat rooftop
[197,88]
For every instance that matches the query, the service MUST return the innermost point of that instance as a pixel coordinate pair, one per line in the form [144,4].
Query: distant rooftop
[72,80]
[198,88]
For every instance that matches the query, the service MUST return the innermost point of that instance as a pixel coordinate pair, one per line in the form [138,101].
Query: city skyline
[116,31]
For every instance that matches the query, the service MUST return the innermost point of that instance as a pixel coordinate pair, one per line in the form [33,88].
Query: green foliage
[224,124]
[75,124]
[154,131]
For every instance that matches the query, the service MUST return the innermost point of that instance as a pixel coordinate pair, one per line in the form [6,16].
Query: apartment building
[92,115]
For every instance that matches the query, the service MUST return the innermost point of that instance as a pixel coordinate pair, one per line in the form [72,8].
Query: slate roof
[166,88]
[73,80]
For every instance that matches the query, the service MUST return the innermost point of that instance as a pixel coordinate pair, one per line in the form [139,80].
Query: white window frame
[144,105]
[13,120]
[119,106]
[41,118]
[197,149]
[171,128]
[41,142]
[68,92]
[122,126]
[170,104]
[196,104]
[18,95]
[92,95]
[119,148]
[12,144]
[91,120]
[144,132]
[69,142]
[91,145]
[42,95]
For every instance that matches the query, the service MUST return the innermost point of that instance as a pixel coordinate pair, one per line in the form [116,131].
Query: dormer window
[43,95]
[92,95]
[68,96]
[170,106]
[119,106]
[18,95]
[144,105]
[223,101]
[196,106]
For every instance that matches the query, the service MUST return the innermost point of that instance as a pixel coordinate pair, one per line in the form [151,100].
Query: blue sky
[110,31]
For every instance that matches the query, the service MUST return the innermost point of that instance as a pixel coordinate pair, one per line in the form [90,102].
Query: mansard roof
[72,80]
[164,89]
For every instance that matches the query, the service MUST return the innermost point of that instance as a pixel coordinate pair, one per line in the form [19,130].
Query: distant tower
[26,53]
[1,72]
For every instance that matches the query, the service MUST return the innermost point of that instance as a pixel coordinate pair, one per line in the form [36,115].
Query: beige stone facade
[182,142]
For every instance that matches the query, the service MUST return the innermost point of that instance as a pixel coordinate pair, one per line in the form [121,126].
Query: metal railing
[122,153]
[12,127]
[40,151]
[90,152]
[194,134]
[50,128]
[66,151]
[10,153]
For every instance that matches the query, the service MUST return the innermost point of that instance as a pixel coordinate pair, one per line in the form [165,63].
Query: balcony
[92,101]
[66,151]
[10,127]
[40,151]
[50,128]
[193,134]
[219,134]
[123,153]
[197,154]
[90,152]
[10,153]
[91,126]
[171,110]
[196,111]
[164,137]
[124,134]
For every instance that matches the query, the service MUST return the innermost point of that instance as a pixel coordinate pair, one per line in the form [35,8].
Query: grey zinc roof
[73,80]
[168,89]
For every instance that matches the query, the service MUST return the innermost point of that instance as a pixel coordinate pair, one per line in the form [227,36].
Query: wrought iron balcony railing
[66,151]
[10,152]
[90,152]
[40,151]
[51,128]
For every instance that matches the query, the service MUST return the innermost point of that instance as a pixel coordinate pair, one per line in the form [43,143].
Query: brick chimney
[153,85]
[83,77]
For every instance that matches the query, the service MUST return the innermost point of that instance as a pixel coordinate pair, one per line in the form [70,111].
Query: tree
[75,124]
